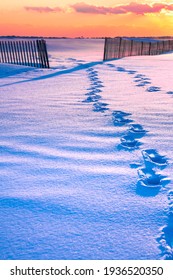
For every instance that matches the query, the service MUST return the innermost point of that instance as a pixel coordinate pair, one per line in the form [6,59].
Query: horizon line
[81,37]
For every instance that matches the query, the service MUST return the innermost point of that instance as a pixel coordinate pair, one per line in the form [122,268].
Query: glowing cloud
[132,7]
[91,9]
[43,9]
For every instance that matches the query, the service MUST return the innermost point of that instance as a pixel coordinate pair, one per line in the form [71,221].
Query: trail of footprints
[130,140]
[142,81]
[149,176]
[93,92]
[150,179]
[139,79]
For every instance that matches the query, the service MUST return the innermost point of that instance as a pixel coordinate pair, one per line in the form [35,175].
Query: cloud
[43,9]
[133,7]
[91,9]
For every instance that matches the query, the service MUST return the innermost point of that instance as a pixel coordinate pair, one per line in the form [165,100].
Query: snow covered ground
[87,156]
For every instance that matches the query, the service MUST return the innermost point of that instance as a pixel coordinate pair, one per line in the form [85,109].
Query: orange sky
[86,18]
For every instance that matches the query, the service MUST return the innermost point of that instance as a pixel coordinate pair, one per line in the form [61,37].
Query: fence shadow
[57,73]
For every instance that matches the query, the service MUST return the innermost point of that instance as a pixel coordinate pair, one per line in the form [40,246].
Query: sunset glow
[86,18]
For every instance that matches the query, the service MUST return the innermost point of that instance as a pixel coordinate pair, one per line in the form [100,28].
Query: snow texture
[86,156]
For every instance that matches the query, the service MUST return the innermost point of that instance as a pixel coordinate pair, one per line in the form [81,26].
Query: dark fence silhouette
[120,47]
[29,53]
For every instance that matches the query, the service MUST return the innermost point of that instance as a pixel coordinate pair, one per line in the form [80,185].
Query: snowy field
[87,156]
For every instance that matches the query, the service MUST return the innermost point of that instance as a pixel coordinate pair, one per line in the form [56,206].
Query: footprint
[90,69]
[137,128]
[94,80]
[129,142]
[153,89]
[121,69]
[93,71]
[120,120]
[100,107]
[141,79]
[152,156]
[139,76]
[146,79]
[131,72]
[93,98]
[142,84]
[170,197]
[97,84]
[91,93]
[149,178]
[92,75]
[120,113]
[135,165]
[93,90]
[110,65]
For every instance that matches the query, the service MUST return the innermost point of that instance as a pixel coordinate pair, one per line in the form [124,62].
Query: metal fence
[120,47]
[29,53]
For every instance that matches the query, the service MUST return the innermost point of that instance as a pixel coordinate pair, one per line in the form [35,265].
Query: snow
[86,156]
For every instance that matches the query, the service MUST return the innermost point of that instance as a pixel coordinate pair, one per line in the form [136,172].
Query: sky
[92,18]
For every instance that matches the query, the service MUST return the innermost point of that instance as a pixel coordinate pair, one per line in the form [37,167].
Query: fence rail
[29,53]
[120,47]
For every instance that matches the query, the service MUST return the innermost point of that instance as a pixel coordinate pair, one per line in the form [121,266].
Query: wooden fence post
[46,54]
[119,49]
[30,53]
[142,46]
[149,50]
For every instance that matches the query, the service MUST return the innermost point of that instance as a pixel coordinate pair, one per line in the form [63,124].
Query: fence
[29,53]
[120,47]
